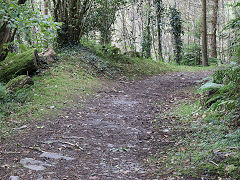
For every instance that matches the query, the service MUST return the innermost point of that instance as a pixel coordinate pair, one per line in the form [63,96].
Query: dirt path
[107,139]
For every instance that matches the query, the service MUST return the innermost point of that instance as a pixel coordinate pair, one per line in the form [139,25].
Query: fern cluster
[223,94]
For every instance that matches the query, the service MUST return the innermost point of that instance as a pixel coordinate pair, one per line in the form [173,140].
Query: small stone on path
[14,178]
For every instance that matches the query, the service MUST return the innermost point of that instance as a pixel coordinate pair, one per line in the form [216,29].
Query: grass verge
[180,68]
[204,146]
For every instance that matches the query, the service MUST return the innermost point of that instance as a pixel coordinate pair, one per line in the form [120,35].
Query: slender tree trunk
[188,27]
[45,11]
[204,34]
[149,39]
[159,5]
[124,30]
[133,32]
[213,44]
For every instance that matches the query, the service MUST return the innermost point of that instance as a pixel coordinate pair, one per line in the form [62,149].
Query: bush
[223,94]
[192,56]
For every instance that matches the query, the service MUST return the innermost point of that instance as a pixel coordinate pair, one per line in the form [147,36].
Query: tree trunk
[159,5]
[72,14]
[124,33]
[6,36]
[213,52]
[45,5]
[25,63]
[149,39]
[204,34]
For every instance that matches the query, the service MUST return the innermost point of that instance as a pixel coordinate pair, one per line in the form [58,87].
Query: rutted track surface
[107,139]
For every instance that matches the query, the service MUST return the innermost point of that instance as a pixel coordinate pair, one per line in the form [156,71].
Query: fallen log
[25,64]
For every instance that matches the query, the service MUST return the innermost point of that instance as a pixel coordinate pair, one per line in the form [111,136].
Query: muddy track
[107,139]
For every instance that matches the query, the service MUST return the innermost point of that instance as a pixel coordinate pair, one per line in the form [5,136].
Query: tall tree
[177,31]
[213,43]
[146,34]
[159,12]
[204,34]
[105,16]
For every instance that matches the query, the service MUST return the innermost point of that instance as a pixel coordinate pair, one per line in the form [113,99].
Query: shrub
[223,94]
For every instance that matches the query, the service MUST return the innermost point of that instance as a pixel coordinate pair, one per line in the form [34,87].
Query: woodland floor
[111,137]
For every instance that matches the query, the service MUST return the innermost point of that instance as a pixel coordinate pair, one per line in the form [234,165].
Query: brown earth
[111,137]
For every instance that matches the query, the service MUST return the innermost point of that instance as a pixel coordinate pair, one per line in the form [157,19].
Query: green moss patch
[18,83]
[20,64]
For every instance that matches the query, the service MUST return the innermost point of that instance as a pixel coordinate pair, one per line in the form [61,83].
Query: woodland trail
[109,138]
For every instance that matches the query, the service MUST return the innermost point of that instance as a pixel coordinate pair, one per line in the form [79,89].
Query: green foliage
[210,86]
[2,92]
[118,64]
[177,30]
[146,42]
[234,25]
[224,94]
[102,17]
[205,147]
[37,28]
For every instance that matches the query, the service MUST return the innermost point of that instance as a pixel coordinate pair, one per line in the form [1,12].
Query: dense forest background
[166,30]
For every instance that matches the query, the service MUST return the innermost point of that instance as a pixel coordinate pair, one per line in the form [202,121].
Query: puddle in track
[37,165]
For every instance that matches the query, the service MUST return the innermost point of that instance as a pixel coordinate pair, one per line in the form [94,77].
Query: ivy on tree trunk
[176,24]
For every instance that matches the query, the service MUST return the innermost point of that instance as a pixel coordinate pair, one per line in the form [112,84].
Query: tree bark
[213,52]
[45,5]
[204,34]
[159,5]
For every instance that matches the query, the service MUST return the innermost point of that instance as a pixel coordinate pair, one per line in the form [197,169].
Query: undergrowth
[123,65]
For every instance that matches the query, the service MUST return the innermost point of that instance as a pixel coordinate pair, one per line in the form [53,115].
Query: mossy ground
[179,68]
